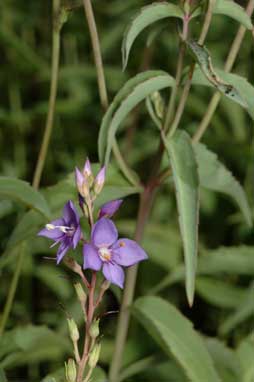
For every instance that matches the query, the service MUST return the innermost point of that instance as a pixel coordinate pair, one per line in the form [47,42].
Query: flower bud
[94,356]
[99,180]
[158,104]
[105,285]
[87,172]
[80,293]
[73,329]
[94,330]
[82,184]
[70,370]
[109,209]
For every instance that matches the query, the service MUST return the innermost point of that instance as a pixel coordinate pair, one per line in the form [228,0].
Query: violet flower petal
[63,249]
[127,252]
[110,208]
[76,237]
[104,233]
[54,234]
[91,258]
[70,214]
[113,273]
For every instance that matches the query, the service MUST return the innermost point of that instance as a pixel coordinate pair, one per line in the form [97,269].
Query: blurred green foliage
[35,342]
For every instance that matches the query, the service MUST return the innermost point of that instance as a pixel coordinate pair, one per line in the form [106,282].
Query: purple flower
[65,230]
[110,208]
[111,253]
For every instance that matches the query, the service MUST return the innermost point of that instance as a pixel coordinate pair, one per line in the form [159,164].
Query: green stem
[102,85]
[187,86]
[179,69]
[12,290]
[42,154]
[52,97]
[227,67]
[145,205]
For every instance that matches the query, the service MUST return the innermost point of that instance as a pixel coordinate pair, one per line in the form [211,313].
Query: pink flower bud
[99,180]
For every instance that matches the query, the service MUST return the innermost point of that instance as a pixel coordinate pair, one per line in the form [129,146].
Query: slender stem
[179,69]
[227,67]
[128,294]
[88,375]
[186,89]
[97,52]
[76,351]
[88,342]
[12,290]
[41,157]
[102,84]
[52,97]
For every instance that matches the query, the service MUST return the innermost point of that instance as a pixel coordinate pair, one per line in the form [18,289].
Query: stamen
[62,228]
[122,244]
[105,254]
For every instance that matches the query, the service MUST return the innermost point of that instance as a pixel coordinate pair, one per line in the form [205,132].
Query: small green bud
[70,370]
[94,330]
[94,356]
[80,293]
[158,104]
[105,285]
[73,329]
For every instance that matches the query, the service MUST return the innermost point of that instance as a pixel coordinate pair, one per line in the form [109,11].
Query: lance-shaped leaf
[244,88]
[231,9]
[175,334]
[215,176]
[234,10]
[133,92]
[16,189]
[185,174]
[203,58]
[147,16]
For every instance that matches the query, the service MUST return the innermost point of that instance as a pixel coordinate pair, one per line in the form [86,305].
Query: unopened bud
[87,172]
[70,370]
[105,285]
[80,293]
[73,329]
[94,356]
[94,330]
[158,104]
[99,180]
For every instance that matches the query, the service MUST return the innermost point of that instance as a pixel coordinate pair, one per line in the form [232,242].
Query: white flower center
[105,254]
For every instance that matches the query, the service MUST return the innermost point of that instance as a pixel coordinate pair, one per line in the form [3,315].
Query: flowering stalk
[103,251]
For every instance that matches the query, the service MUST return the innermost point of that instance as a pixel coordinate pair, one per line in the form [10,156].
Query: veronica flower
[65,230]
[108,252]
[109,209]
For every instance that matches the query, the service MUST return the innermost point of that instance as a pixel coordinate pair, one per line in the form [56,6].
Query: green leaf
[55,279]
[16,189]
[225,360]
[202,56]
[32,344]
[243,87]
[175,334]
[224,260]
[244,311]
[133,92]
[2,376]
[245,353]
[234,10]
[220,293]
[185,174]
[215,176]
[147,16]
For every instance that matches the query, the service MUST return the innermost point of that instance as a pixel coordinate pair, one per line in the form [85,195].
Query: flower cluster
[104,251]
